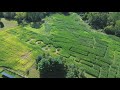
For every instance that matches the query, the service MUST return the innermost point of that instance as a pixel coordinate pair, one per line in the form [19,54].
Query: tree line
[107,22]
[23,18]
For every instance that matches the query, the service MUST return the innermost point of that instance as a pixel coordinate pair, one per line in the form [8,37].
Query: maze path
[101,62]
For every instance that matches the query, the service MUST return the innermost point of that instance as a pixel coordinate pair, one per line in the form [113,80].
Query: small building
[6,75]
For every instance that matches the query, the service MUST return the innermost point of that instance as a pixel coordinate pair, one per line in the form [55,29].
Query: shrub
[109,30]
[38,59]
[74,71]
[35,25]
[97,20]
[1,25]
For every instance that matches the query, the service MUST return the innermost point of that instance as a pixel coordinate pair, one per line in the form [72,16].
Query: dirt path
[26,55]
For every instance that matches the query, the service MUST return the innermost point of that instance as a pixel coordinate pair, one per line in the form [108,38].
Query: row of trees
[109,22]
[35,18]
[28,16]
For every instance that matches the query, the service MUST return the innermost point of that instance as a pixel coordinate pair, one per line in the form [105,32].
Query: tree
[52,68]
[35,25]
[98,20]
[84,16]
[117,28]
[9,15]
[109,30]
[74,72]
[1,24]
[113,17]
[1,14]
[66,13]
[35,16]
[20,17]
[38,59]
[113,29]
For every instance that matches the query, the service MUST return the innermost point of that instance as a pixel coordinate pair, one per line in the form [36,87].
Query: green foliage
[1,25]
[8,15]
[113,30]
[73,71]
[85,51]
[109,30]
[35,16]
[97,20]
[113,17]
[1,14]
[38,59]
[20,17]
[107,21]
[52,68]
[117,28]
[35,24]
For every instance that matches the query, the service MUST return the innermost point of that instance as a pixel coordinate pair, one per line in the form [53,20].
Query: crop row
[66,46]
[103,73]
[62,40]
[86,63]
[79,51]
[90,70]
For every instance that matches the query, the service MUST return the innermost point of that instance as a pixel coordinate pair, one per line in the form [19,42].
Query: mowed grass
[8,24]
[97,54]
[13,52]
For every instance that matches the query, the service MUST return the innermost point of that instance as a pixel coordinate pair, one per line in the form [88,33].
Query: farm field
[95,53]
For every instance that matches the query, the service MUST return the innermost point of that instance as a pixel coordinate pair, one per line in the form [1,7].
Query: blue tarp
[7,75]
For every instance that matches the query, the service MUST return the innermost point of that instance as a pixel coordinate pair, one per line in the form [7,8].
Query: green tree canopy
[20,16]
[98,20]
[52,68]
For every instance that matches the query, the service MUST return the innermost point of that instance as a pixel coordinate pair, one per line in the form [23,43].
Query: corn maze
[97,54]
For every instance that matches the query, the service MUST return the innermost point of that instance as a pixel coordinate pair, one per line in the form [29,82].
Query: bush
[20,16]
[74,72]
[1,25]
[9,15]
[35,25]
[38,59]
[109,30]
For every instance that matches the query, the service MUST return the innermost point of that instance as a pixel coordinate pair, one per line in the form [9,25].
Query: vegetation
[107,21]
[85,52]
[52,68]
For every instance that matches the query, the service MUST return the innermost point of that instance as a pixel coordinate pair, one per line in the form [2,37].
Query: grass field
[95,53]
[8,24]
